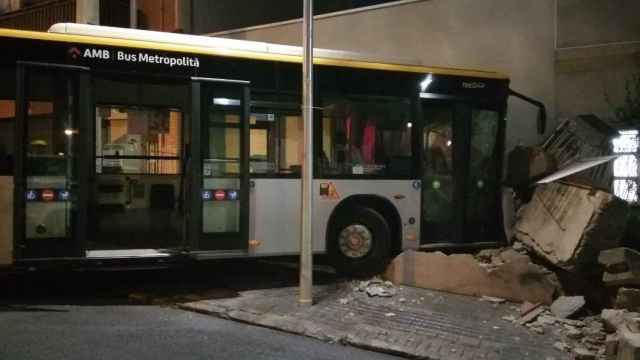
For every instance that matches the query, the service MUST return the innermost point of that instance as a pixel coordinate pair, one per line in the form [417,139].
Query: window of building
[625,167]
[366,136]
[7,120]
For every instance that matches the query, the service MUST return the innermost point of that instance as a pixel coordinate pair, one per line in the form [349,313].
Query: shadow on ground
[211,280]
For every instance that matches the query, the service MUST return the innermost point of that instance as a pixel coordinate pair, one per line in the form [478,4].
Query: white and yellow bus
[121,146]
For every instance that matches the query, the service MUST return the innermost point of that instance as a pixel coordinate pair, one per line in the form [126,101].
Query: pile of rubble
[565,236]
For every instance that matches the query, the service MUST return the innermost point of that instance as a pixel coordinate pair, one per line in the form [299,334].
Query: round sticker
[219,195]
[48,195]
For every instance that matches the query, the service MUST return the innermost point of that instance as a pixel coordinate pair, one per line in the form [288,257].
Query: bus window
[7,120]
[276,140]
[366,137]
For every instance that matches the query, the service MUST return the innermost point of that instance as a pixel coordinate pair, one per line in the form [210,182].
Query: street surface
[98,315]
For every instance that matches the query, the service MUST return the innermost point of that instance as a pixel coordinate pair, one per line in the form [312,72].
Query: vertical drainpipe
[88,12]
[133,14]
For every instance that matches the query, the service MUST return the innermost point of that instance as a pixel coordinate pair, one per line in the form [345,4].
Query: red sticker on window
[219,195]
[48,195]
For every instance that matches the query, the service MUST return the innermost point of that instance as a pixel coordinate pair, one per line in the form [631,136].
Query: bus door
[461,171]
[219,166]
[52,162]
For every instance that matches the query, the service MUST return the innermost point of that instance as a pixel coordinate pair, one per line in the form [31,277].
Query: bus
[125,147]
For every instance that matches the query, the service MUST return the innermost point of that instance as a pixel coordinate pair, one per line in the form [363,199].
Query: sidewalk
[415,322]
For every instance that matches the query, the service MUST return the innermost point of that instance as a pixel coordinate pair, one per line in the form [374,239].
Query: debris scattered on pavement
[344,301]
[565,306]
[531,315]
[491,299]
[377,287]
[510,275]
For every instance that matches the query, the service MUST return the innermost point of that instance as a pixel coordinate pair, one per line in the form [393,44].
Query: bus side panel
[6,220]
[275,216]
[403,194]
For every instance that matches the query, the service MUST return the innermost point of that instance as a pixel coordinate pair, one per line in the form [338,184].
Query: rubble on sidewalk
[565,306]
[376,287]
[510,275]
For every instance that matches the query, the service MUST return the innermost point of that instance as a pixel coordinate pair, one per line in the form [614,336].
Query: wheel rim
[355,241]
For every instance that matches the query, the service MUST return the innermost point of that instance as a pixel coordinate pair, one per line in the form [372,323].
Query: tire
[368,259]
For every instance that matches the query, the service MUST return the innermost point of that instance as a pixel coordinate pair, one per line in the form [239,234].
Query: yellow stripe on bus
[94,40]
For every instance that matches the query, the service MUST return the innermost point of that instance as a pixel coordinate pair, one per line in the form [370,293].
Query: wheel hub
[355,241]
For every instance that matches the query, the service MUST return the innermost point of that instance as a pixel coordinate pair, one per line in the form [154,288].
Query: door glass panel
[51,170]
[221,164]
[139,180]
[438,184]
[139,188]
[483,182]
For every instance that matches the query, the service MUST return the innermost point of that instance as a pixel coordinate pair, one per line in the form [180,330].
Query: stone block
[569,225]
[621,266]
[566,306]
[628,298]
[516,279]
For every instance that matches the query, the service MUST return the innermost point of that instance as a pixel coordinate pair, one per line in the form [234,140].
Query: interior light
[60,154]
[68,132]
[448,142]
[226,102]
[409,124]
[426,82]
[628,132]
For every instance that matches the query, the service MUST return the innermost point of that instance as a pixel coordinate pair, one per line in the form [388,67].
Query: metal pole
[306,258]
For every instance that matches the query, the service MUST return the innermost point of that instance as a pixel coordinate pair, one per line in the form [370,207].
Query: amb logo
[89,53]
[74,52]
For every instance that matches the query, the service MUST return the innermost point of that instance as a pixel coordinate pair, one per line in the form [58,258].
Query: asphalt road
[91,316]
[149,332]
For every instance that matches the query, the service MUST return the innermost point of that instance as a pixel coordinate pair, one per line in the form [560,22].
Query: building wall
[514,37]
[598,50]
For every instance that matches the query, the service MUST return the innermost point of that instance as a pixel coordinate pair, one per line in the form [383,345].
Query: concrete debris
[581,137]
[569,225]
[628,299]
[531,315]
[616,319]
[561,346]
[628,346]
[581,353]
[376,287]
[344,301]
[527,307]
[621,265]
[509,275]
[574,333]
[540,163]
[565,306]
[611,346]
[491,299]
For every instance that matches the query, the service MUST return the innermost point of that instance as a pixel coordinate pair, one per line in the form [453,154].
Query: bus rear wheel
[360,242]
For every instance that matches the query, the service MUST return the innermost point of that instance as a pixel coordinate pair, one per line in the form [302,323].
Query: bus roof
[206,45]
